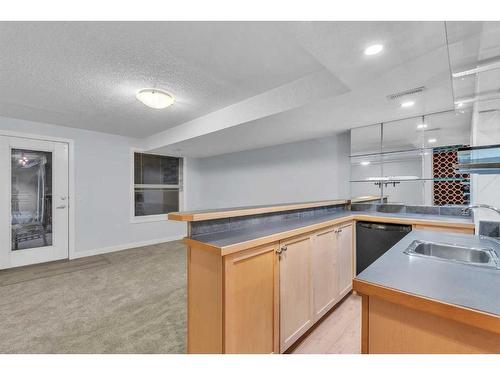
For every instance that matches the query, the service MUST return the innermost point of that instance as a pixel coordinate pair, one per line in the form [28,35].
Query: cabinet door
[345,266]
[296,310]
[251,301]
[325,274]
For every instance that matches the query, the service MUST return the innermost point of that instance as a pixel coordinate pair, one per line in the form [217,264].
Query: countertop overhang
[236,240]
[452,283]
[221,213]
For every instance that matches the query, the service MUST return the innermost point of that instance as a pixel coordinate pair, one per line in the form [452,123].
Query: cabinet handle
[281,249]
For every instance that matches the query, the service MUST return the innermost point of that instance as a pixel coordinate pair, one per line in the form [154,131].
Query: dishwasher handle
[385,227]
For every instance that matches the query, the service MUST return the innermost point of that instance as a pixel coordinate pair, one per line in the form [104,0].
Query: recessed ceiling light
[422,126]
[155,98]
[407,104]
[365,163]
[374,49]
[432,140]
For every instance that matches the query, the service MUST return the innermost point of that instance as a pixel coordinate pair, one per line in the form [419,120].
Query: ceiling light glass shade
[155,98]
[421,126]
[407,104]
[432,140]
[374,49]
[365,163]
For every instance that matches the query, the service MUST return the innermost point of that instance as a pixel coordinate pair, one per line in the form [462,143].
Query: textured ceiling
[86,74]
[238,85]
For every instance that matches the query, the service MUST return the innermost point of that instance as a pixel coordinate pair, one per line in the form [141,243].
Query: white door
[33,201]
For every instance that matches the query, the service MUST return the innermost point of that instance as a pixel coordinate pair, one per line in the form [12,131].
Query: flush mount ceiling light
[374,49]
[460,104]
[422,126]
[365,163]
[155,98]
[407,104]
[432,140]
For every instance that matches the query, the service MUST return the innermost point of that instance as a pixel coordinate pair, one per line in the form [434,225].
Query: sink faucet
[467,209]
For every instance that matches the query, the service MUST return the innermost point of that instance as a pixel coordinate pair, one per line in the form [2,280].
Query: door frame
[71,179]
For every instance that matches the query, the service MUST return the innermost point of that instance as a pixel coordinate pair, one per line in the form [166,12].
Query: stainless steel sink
[482,257]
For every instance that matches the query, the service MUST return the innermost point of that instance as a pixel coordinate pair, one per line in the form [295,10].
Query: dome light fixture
[374,49]
[155,98]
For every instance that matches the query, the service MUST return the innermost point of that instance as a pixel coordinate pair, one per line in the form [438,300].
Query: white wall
[102,190]
[302,171]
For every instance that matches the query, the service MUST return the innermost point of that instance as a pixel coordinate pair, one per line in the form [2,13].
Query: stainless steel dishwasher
[374,239]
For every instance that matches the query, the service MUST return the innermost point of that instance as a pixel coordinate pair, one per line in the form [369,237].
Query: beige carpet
[132,301]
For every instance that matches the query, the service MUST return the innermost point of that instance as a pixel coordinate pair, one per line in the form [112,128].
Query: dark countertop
[458,284]
[233,237]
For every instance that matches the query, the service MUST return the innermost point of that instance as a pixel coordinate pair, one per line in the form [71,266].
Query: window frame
[181,186]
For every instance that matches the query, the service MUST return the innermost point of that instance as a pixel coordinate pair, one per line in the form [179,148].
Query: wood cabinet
[296,313]
[325,256]
[251,308]
[248,298]
[316,271]
[233,301]
[345,259]
[397,322]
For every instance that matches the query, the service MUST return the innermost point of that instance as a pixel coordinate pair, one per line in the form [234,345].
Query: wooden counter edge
[465,315]
[412,221]
[226,213]
[226,250]
[240,246]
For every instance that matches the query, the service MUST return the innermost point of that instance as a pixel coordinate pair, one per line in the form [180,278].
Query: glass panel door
[34,193]
[31,199]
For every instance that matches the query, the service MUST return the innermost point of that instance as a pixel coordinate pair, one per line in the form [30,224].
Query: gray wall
[308,170]
[102,189]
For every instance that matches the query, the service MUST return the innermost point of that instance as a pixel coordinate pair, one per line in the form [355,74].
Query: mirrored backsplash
[412,161]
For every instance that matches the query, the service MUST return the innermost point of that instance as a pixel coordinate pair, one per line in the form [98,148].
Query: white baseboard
[111,249]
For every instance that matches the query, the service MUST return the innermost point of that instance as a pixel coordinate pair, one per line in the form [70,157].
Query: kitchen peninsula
[260,277]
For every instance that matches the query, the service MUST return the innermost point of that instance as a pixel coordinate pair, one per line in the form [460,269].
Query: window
[157,184]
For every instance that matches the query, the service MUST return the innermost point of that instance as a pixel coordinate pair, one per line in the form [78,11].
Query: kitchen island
[417,304]
[260,277]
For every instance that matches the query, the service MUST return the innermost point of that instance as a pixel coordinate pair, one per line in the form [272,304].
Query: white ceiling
[86,74]
[239,85]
